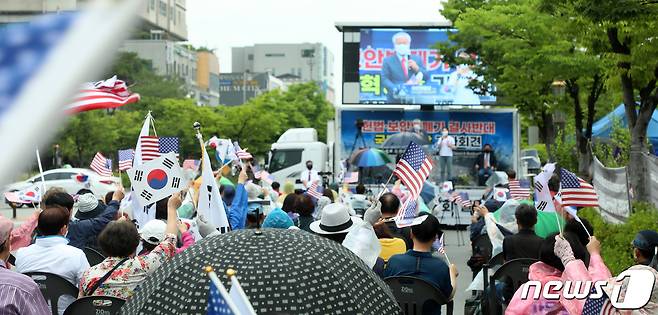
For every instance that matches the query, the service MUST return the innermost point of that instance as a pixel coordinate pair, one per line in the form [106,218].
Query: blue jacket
[83,233]
[237,213]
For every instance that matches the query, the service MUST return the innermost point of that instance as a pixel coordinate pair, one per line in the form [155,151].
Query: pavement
[458,249]
[22,213]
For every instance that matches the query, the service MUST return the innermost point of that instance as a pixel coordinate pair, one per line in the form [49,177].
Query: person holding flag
[419,262]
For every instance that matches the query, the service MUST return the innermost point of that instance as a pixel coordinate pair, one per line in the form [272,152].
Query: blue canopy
[603,127]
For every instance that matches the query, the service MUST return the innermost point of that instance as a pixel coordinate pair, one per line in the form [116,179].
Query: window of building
[250,57]
[152,5]
[275,55]
[299,72]
[163,8]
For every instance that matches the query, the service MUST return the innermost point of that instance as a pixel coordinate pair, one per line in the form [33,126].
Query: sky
[222,24]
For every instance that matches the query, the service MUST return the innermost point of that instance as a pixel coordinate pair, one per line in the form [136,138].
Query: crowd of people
[53,238]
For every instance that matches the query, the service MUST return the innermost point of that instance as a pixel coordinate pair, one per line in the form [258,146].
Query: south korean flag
[156,179]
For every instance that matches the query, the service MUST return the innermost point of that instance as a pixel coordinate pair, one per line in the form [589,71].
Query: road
[22,214]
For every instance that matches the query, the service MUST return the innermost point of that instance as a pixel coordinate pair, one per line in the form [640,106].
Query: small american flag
[351,177]
[441,244]
[576,192]
[519,189]
[264,176]
[600,306]
[126,159]
[242,154]
[150,148]
[313,191]
[153,146]
[454,196]
[169,144]
[191,164]
[464,200]
[101,165]
[109,93]
[218,303]
[413,169]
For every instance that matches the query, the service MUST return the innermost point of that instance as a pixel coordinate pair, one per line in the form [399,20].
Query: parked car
[65,178]
[531,156]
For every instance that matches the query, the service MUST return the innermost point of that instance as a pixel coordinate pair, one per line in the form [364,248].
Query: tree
[523,52]
[630,30]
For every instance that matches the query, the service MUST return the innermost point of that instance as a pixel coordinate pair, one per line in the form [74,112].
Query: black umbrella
[282,271]
[401,140]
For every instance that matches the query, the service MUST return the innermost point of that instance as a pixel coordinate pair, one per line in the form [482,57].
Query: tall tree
[522,52]
[631,31]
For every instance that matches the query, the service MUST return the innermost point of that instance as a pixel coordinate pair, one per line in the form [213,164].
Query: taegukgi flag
[156,179]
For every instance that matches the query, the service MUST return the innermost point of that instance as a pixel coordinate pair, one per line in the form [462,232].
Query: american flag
[576,192]
[313,191]
[101,165]
[109,93]
[242,154]
[441,245]
[409,210]
[153,146]
[191,164]
[413,169]
[217,302]
[264,176]
[460,198]
[519,189]
[600,306]
[126,159]
[351,177]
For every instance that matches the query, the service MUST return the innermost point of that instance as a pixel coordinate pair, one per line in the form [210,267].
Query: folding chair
[94,257]
[417,296]
[53,287]
[107,305]
[514,273]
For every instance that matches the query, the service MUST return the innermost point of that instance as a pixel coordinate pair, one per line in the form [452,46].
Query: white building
[308,61]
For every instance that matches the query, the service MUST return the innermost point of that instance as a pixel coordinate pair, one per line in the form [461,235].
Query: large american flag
[109,93]
[101,165]
[153,146]
[413,168]
[576,192]
[519,189]
[126,159]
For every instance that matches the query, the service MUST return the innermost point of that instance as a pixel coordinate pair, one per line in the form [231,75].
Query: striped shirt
[19,294]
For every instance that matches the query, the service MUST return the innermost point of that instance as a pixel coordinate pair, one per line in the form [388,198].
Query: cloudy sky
[224,24]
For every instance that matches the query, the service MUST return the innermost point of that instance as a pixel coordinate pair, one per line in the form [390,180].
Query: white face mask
[402,49]
[445,133]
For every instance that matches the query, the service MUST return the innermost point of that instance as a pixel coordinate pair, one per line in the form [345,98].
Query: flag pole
[446,256]
[43,182]
[222,290]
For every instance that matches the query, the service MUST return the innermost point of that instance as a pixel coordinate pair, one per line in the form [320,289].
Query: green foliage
[541,151]
[256,124]
[616,238]
[564,149]
[616,151]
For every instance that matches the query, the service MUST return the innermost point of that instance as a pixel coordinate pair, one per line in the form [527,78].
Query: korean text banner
[471,130]
[401,67]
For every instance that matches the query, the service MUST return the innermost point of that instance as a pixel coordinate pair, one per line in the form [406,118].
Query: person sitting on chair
[419,262]
[524,244]
[20,294]
[390,207]
[485,164]
[359,200]
[51,252]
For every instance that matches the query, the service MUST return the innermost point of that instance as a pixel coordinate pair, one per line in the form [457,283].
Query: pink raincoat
[543,273]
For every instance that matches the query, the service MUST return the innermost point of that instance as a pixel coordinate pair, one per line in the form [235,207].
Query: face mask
[487,151]
[309,166]
[402,49]
[444,133]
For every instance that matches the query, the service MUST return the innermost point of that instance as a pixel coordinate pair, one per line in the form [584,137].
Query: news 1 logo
[639,285]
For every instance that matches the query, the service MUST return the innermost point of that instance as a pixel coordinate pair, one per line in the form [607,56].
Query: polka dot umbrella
[281,271]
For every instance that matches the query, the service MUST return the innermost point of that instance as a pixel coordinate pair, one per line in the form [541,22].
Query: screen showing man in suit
[402,66]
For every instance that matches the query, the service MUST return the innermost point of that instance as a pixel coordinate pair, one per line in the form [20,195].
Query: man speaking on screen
[402,68]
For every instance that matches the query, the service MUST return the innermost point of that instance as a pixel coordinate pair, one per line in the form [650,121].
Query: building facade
[237,88]
[306,61]
[207,77]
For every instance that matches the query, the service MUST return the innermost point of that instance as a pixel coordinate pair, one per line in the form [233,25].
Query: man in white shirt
[51,252]
[309,175]
[445,145]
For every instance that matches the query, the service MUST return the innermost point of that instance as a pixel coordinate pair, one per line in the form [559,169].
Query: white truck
[295,146]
